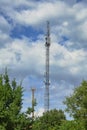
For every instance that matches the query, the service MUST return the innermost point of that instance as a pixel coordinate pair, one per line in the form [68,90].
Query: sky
[22,47]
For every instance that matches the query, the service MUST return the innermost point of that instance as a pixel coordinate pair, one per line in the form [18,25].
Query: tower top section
[47,44]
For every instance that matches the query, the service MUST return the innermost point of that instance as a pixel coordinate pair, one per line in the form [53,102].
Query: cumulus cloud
[15,3]
[39,112]
[26,57]
[39,14]
[21,54]
[69,21]
[4,25]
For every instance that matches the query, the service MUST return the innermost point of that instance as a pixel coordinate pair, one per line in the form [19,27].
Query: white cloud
[71,2]
[42,12]
[29,58]
[26,58]
[5,29]
[69,21]
[4,25]
[29,54]
[16,3]
[39,112]
[4,39]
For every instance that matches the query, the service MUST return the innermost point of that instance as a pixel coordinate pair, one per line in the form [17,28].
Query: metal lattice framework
[47,83]
[33,101]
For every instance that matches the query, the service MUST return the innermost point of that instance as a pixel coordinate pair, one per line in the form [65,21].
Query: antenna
[47,45]
[33,102]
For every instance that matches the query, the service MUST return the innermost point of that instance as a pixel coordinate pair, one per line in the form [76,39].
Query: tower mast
[47,45]
[33,101]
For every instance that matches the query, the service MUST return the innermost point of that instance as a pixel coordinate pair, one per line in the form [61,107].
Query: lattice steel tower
[33,101]
[47,83]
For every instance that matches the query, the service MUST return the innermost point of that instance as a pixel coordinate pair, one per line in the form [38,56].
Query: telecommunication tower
[47,83]
[33,101]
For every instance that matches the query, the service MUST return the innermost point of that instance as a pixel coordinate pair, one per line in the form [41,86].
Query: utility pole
[47,83]
[33,102]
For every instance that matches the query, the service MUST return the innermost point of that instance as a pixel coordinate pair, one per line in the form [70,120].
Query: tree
[72,125]
[50,120]
[11,94]
[77,103]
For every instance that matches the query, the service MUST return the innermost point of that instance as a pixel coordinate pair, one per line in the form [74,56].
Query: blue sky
[22,49]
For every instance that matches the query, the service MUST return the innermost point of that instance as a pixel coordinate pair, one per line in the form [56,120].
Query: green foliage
[72,125]
[11,117]
[2,127]
[49,121]
[77,103]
